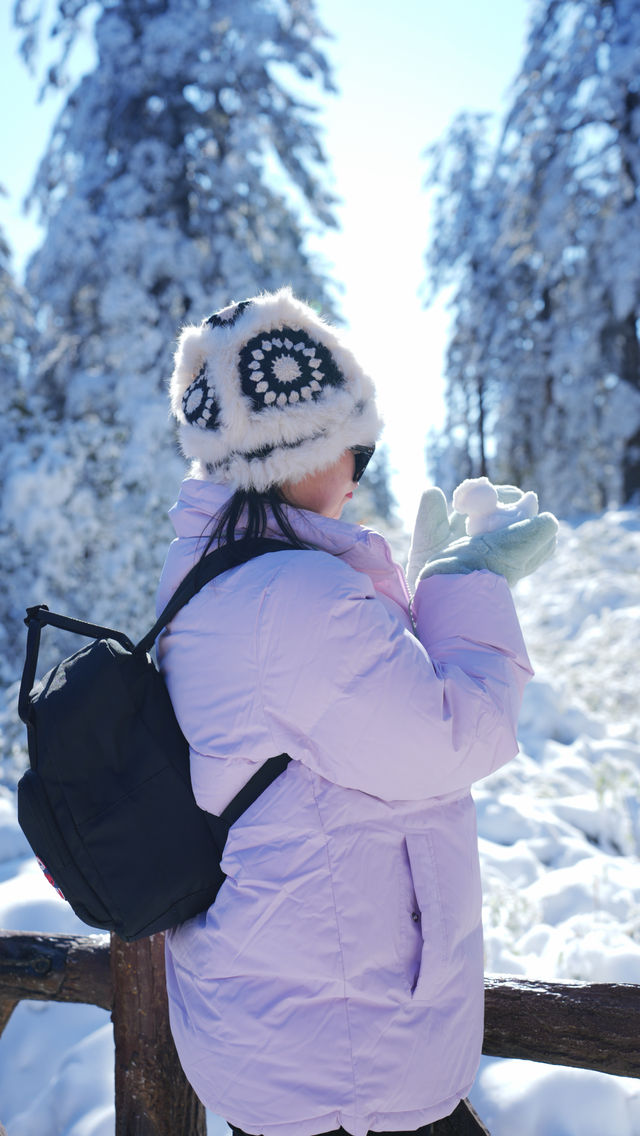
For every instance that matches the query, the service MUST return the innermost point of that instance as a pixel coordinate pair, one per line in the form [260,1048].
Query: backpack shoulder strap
[254,787]
[206,569]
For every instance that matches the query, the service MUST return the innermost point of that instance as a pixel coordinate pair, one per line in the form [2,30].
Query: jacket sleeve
[368,705]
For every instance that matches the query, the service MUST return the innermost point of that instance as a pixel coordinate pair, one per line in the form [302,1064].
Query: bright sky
[403,73]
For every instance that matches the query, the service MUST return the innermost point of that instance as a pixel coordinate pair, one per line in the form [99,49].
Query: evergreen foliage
[182,172]
[540,237]
[20,413]
[15,332]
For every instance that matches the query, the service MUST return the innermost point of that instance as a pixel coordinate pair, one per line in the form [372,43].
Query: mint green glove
[433,531]
[435,528]
[512,552]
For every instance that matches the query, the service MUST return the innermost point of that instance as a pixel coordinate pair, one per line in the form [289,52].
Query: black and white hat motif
[199,403]
[265,391]
[284,366]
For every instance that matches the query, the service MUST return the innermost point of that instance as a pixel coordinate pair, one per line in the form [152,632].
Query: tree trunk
[153,1096]
[482,442]
[621,352]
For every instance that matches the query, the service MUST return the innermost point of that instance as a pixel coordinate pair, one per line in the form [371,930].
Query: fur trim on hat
[265,392]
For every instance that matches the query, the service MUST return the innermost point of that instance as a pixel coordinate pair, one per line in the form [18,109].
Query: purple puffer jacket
[338,978]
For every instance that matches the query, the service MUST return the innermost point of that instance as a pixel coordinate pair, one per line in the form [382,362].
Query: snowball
[479,500]
[475,496]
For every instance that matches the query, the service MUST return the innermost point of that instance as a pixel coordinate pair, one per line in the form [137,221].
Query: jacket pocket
[446,879]
[428,916]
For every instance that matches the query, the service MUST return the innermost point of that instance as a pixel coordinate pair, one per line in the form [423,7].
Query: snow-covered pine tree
[15,334]
[20,413]
[462,258]
[558,330]
[184,171]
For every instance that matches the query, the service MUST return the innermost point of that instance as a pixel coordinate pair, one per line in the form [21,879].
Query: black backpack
[107,804]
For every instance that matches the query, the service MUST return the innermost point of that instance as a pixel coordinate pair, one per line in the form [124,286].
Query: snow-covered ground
[559,837]
[560,826]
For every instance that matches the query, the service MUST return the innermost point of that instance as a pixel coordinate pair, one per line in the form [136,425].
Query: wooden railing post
[153,1096]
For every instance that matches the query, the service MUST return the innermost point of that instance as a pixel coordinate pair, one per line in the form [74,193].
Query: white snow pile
[559,826]
[559,838]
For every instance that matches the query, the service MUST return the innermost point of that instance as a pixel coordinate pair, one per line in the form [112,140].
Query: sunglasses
[362,455]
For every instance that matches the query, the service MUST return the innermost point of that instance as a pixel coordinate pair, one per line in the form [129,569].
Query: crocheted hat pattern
[265,391]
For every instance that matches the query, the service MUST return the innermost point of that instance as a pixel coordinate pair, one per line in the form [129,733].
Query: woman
[337,981]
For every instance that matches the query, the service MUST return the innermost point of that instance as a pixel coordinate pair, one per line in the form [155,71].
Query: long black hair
[255,510]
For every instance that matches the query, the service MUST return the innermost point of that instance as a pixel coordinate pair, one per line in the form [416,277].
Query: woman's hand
[440,545]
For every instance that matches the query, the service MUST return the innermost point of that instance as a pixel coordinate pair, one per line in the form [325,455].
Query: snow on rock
[525,1098]
[545,716]
[594,884]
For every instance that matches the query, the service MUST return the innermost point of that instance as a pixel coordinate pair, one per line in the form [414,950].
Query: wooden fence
[585,1026]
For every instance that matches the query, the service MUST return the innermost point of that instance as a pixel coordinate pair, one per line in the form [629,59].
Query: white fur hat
[265,392]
